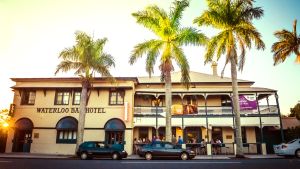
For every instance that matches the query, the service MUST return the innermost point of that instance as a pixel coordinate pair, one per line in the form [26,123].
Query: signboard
[247,102]
[178,109]
[70,110]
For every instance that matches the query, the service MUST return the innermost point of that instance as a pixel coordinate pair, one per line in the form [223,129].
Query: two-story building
[133,108]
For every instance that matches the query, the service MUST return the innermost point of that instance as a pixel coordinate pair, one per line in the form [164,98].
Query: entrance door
[22,141]
[23,135]
[114,137]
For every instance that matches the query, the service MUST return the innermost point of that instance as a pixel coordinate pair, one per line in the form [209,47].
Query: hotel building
[46,113]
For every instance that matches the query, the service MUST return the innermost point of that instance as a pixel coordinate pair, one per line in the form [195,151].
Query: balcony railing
[200,110]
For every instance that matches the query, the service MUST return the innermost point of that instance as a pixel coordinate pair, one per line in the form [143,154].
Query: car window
[169,146]
[157,145]
[291,141]
[100,145]
[90,145]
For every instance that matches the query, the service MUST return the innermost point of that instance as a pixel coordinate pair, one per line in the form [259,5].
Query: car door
[91,148]
[157,149]
[102,150]
[170,151]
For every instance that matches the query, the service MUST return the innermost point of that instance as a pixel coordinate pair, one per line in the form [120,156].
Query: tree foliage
[234,20]
[170,37]
[288,43]
[85,57]
[295,112]
[167,47]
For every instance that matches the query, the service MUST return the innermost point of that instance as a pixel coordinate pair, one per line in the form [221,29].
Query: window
[28,97]
[116,97]
[66,136]
[62,97]
[76,97]
[169,146]
[157,145]
[66,130]
[225,101]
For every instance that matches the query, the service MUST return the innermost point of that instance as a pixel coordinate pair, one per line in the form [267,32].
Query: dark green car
[90,149]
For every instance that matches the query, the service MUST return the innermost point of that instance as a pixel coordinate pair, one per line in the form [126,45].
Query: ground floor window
[193,134]
[66,136]
[67,130]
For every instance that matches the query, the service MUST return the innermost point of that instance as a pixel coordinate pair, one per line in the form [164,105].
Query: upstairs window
[225,101]
[62,97]
[116,97]
[28,97]
[76,97]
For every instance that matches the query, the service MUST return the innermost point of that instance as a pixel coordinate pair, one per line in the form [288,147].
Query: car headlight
[123,151]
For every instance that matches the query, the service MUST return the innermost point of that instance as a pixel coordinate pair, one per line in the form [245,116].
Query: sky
[33,32]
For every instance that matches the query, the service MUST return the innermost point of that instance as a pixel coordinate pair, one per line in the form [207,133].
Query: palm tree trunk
[81,121]
[236,109]
[168,85]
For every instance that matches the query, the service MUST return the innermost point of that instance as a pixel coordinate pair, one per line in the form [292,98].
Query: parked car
[90,149]
[291,148]
[165,149]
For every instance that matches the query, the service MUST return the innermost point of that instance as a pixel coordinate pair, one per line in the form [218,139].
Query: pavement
[130,157]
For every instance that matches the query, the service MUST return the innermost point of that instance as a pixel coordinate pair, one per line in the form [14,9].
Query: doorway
[114,131]
[23,135]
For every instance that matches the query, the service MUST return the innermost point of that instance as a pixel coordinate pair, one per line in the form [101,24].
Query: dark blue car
[90,149]
[165,149]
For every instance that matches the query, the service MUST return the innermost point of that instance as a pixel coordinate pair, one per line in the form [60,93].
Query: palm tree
[288,43]
[86,57]
[233,19]
[171,36]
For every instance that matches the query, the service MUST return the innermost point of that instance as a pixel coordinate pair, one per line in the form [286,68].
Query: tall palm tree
[288,43]
[233,19]
[170,37]
[85,57]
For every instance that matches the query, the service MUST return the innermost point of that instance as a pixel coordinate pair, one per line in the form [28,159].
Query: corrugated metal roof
[196,77]
[207,89]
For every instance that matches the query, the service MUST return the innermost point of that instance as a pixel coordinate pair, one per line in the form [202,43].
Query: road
[6,163]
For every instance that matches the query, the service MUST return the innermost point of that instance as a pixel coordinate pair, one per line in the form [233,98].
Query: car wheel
[184,156]
[148,156]
[297,153]
[115,156]
[84,156]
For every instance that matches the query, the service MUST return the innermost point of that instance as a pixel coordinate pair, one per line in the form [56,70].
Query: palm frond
[242,58]
[146,19]
[216,43]
[143,48]
[177,10]
[152,56]
[190,36]
[69,54]
[67,65]
[183,64]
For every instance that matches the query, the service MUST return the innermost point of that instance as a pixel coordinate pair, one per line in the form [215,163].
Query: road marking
[177,162]
[5,161]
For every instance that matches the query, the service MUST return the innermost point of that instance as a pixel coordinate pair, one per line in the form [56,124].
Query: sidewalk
[132,157]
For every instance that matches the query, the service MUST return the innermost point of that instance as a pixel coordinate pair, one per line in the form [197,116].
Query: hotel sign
[70,110]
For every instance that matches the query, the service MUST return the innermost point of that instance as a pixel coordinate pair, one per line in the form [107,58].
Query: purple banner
[247,102]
